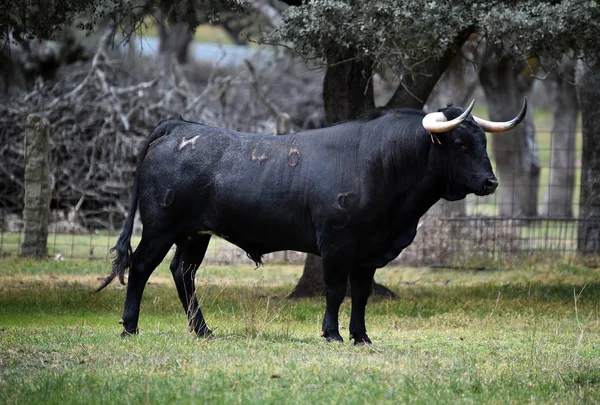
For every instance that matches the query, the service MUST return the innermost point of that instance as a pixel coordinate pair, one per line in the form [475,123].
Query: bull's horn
[437,121]
[491,126]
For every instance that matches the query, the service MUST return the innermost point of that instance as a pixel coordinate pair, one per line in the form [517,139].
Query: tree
[417,41]
[588,89]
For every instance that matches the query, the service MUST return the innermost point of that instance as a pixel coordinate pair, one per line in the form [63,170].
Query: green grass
[511,336]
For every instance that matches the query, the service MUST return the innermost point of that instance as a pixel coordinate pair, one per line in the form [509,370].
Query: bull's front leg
[335,274]
[361,284]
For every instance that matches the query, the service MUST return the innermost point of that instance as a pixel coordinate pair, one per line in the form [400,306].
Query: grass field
[525,335]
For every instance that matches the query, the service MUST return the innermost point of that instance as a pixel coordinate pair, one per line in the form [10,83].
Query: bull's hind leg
[361,284]
[187,259]
[150,252]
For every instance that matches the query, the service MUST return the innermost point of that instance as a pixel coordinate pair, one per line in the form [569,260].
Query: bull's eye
[458,144]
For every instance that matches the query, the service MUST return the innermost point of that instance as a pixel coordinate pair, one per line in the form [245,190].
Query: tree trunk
[347,92]
[558,200]
[515,152]
[588,90]
[174,40]
[460,79]
[311,282]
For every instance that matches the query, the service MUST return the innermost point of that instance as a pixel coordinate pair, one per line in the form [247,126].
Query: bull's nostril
[491,184]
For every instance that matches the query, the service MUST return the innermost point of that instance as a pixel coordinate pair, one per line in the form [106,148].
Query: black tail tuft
[123,247]
[123,258]
[256,257]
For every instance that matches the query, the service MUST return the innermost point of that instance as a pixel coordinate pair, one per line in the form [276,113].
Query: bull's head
[460,152]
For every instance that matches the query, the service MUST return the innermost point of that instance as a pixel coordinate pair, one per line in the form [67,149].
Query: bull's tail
[123,249]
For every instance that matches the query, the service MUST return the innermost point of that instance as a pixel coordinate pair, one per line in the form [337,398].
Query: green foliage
[546,28]
[401,33]
[398,32]
[405,33]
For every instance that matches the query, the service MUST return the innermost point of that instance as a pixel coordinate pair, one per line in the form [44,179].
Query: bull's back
[250,189]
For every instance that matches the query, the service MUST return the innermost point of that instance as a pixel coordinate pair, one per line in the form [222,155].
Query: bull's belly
[265,238]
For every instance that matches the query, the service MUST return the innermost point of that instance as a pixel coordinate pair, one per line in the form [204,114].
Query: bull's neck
[409,170]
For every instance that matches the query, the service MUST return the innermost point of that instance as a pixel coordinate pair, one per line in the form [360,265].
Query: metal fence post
[36,207]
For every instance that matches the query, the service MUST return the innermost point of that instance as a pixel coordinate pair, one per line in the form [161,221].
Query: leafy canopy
[408,32]
[401,33]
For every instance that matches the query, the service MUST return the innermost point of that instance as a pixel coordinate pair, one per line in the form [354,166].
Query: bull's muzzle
[489,186]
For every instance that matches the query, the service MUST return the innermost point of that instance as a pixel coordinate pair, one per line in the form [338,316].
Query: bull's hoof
[332,336]
[361,339]
[126,333]
[204,333]
[201,332]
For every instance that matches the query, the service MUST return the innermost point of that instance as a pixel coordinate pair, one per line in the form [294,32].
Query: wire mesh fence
[472,232]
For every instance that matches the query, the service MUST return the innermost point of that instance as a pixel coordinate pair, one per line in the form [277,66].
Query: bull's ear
[434,136]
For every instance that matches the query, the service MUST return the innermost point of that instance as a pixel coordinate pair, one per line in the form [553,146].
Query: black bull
[352,193]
